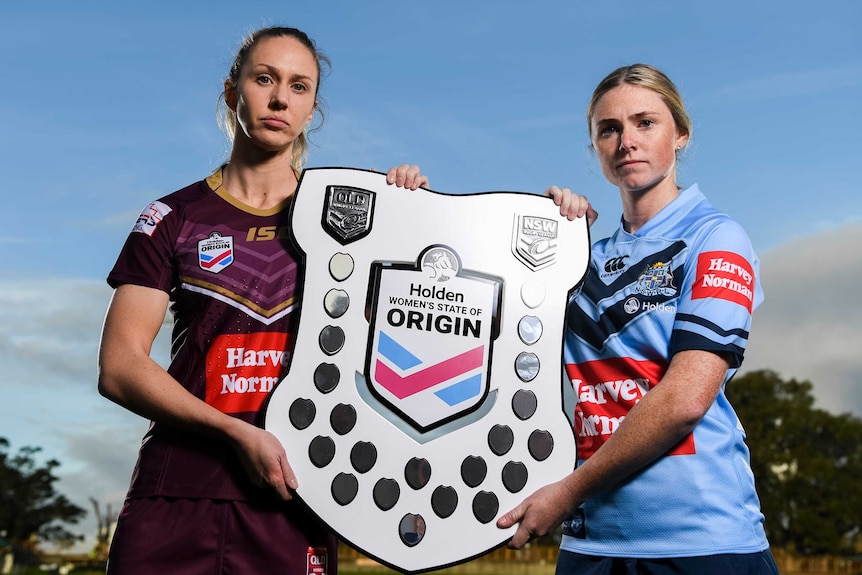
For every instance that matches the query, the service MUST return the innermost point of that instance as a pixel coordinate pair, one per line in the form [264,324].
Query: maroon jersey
[234,283]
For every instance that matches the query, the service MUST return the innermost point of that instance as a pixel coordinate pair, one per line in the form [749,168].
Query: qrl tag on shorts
[316,561]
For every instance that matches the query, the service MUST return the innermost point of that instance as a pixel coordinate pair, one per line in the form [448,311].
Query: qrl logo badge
[348,213]
[433,329]
[315,561]
[534,241]
[215,253]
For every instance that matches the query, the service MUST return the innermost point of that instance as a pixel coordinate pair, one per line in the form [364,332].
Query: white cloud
[49,329]
[796,83]
[810,325]
[20,240]
[49,336]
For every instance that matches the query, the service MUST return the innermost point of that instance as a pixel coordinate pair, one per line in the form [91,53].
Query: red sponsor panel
[724,275]
[242,369]
[606,391]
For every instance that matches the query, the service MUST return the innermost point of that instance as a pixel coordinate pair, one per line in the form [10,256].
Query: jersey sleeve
[146,258]
[720,289]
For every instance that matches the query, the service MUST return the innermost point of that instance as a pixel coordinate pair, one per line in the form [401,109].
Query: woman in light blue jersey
[663,483]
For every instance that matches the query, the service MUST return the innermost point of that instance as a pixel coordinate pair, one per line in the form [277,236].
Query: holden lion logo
[440,263]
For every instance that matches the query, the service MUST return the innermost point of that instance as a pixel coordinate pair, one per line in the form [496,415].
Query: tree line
[31,510]
[807,463]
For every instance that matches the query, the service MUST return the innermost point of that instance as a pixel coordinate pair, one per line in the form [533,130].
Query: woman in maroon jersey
[211,492]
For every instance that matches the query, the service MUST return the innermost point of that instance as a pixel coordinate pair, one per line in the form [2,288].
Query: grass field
[487,569]
[506,562]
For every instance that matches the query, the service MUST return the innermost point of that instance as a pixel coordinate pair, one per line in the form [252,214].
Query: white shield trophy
[424,396]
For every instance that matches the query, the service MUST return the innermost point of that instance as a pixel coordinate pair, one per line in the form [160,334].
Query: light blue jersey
[686,280]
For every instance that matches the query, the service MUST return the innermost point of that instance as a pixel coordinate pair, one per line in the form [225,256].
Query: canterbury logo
[615,264]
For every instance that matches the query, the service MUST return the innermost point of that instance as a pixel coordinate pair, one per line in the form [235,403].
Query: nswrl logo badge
[534,241]
[433,330]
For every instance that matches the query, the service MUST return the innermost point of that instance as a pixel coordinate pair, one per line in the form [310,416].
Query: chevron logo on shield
[418,377]
[447,312]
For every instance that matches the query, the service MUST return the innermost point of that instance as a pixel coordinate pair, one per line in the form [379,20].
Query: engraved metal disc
[341,266]
[336,302]
[532,293]
[386,493]
[527,366]
[326,377]
[411,529]
[530,329]
[342,418]
[331,339]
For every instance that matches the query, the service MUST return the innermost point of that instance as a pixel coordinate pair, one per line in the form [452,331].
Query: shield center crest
[432,331]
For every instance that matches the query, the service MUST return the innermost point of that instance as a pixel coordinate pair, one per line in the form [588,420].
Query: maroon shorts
[166,536]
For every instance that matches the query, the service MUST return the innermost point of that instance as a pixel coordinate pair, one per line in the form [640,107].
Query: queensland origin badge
[433,329]
[348,213]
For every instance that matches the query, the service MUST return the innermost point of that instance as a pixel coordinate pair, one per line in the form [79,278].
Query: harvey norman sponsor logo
[243,369]
[724,275]
[606,391]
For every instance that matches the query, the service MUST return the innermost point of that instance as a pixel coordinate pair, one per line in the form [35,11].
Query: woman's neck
[262,181]
[641,207]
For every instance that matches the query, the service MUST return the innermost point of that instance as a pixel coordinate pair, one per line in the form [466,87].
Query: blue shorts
[169,536]
[761,563]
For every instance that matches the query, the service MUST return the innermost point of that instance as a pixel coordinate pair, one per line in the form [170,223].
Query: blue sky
[106,106]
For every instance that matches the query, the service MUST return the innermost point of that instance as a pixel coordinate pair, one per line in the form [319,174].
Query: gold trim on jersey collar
[216,183]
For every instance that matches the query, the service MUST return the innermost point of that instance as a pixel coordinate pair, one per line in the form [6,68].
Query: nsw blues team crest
[433,330]
[215,253]
[656,279]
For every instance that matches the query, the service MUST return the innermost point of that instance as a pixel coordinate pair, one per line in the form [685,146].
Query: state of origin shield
[424,396]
